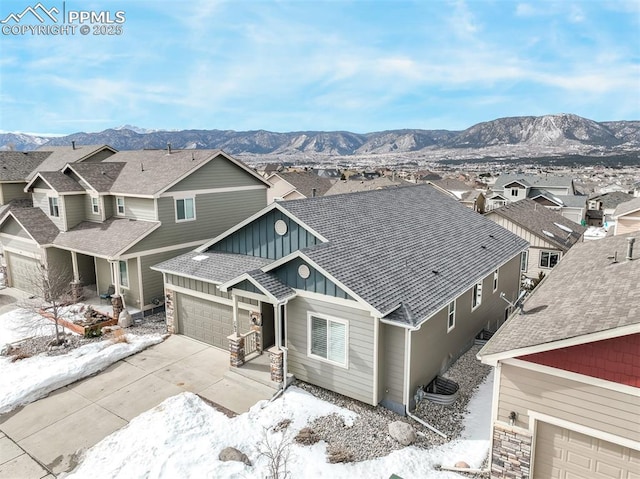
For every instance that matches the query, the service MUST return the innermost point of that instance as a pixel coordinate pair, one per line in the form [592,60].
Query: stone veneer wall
[511,453]
[169,311]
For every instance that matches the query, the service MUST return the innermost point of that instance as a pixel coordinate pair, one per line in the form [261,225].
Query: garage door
[565,454]
[23,272]
[208,321]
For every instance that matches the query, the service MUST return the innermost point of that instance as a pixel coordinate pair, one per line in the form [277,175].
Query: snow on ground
[595,232]
[21,324]
[183,436]
[26,380]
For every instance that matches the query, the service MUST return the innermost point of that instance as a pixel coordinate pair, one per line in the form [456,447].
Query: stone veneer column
[236,350]
[116,302]
[276,357]
[169,311]
[511,453]
[77,293]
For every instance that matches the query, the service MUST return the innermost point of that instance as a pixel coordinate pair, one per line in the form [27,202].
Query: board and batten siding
[523,390]
[355,380]
[259,238]
[41,200]
[215,213]
[391,367]
[12,191]
[289,274]
[74,210]
[217,173]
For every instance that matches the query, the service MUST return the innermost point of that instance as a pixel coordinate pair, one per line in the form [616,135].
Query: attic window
[281,227]
[563,228]
[304,271]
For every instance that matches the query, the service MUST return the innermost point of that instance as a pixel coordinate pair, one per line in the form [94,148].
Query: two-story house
[294,185]
[15,167]
[549,234]
[107,221]
[554,192]
[367,295]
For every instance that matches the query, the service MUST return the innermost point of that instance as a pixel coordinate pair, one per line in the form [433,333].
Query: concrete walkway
[46,437]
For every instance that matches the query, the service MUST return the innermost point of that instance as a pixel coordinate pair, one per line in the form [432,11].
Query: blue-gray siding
[316,282]
[259,238]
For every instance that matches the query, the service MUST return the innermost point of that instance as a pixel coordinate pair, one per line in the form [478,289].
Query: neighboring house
[15,166]
[62,155]
[600,208]
[373,294]
[627,217]
[468,196]
[108,221]
[554,192]
[346,186]
[566,397]
[549,234]
[331,173]
[296,185]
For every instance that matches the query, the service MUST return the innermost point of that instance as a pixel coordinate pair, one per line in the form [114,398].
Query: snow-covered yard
[26,380]
[183,436]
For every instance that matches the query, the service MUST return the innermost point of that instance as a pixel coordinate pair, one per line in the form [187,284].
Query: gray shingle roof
[61,155]
[211,266]
[345,186]
[627,207]
[36,223]
[306,181]
[272,284]
[104,239]
[451,184]
[612,199]
[411,246]
[100,176]
[537,181]
[537,219]
[60,182]
[585,293]
[16,165]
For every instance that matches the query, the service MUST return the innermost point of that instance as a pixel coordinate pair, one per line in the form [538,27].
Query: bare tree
[277,449]
[52,291]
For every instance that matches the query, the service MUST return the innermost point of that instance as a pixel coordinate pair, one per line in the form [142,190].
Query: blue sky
[360,66]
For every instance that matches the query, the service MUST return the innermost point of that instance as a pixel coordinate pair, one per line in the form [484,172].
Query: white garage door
[564,454]
[208,321]
[23,272]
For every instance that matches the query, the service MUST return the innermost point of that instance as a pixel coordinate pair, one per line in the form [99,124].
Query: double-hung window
[185,209]
[328,339]
[120,206]
[548,259]
[451,316]
[54,210]
[123,274]
[95,206]
[476,297]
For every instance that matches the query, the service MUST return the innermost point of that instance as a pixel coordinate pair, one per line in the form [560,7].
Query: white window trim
[49,202]
[524,260]
[496,274]
[95,205]
[476,298]
[451,312]
[175,207]
[120,274]
[311,314]
[124,206]
[551,252]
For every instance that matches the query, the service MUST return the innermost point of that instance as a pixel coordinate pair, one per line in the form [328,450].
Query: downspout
[407,368]
[285,351]
[376,360]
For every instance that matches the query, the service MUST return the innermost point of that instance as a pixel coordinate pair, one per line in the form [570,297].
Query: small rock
[6,350]
[402,432]
[232,454]
[124,320]
[307,436]
[462,465]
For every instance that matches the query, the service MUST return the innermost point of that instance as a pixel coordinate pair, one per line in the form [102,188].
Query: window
[53,207]
[124,274]
[451,316]
[120,206]
[95,206]
[495,281]
[524,261]
[476,298]
[185,209]
[328,339]
[548,259]
[514,191]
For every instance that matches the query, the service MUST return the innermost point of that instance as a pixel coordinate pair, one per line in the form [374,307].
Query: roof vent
[630,242]
[141,166]
[73,145]
[169,148]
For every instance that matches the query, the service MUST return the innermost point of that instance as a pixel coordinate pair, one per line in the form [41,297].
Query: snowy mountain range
[529,133]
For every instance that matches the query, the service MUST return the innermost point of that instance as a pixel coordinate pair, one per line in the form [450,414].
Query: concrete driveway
[45,437]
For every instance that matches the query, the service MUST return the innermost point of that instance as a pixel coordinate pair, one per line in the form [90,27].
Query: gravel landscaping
[368,438]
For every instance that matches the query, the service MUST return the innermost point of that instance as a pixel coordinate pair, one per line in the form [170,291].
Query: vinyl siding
[355,381]
[12,227]
[208,289]
[88,208]
[12,191]
[523,390]
[109,204]
[217,173]
[21,245]
[99,156]
[74,210]
[628,223]
[152,285]
[533,266]
[215,213]
[86,269]
[391,365]
[40,200]
[59,261]
[103,275]
[137,208]
[259,238]
[433,350]
[132,293]
[316,282]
